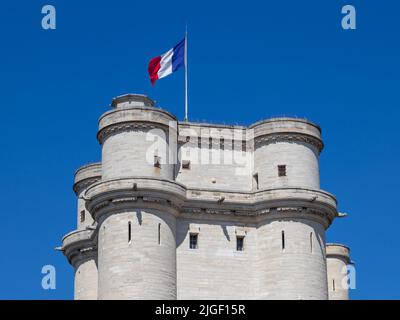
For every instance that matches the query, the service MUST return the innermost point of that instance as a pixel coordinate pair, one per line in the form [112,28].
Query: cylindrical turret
[286,153]
[84,177]
[80,249]
[80,245]
[136,203]
[337,257]
[291,243]
[135,139]
[291,239]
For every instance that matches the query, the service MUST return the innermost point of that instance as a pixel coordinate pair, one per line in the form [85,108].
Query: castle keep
[182,210]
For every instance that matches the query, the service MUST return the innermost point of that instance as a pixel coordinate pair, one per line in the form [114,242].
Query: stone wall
[161,180]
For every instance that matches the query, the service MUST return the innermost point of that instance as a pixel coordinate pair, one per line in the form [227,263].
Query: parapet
[79,244]
[339,251]
[86,175]
[132,111]
[288,129]
[132,100]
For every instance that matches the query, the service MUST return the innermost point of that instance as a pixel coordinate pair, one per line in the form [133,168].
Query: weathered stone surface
[142,206]
[337,257]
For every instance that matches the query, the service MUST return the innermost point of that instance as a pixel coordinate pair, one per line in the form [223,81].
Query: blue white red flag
[169,62]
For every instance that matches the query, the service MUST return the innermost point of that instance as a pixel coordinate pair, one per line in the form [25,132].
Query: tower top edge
[333,244]
[133,99]
[286,119]
[338,249]
[86,174]
[88,166]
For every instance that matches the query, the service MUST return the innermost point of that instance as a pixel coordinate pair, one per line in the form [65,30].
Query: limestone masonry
[182,210]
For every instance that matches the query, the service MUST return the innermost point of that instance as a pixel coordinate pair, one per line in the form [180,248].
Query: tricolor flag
[169,62]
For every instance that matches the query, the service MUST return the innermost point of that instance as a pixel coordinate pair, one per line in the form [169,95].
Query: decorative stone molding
[80,245]
[289,137]
[86,175]
[106,196]
[111,195]
[84,184]
[113,129]
[275,212]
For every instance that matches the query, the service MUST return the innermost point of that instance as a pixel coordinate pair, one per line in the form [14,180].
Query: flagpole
[186,75]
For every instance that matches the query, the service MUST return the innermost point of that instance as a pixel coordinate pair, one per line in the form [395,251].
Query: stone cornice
[269,203]
[80,245]
[288,137]
[86,175]
[256,216]
[141,192]
[83,184]
[113,129]
[112,195]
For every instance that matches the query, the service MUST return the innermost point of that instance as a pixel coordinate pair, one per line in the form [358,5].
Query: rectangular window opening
[282,170]
[239,243]
[283,240]
[193,241]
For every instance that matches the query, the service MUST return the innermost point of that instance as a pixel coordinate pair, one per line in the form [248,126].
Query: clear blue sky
[248,60]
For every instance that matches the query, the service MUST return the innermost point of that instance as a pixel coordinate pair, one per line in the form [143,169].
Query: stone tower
[182,210]
[80,246]
[338,258]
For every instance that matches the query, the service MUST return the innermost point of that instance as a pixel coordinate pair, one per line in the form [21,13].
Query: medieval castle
[183,210]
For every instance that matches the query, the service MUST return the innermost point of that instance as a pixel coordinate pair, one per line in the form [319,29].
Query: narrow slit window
[333,285]
[255,179]
[193,241]
[159,233]
[82,216]
[239,243]
[282,170]
[210,143]
[311,242]
[129,232]
[283,240]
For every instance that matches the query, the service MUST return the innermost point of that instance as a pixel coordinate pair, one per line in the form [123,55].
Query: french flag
[169,62]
